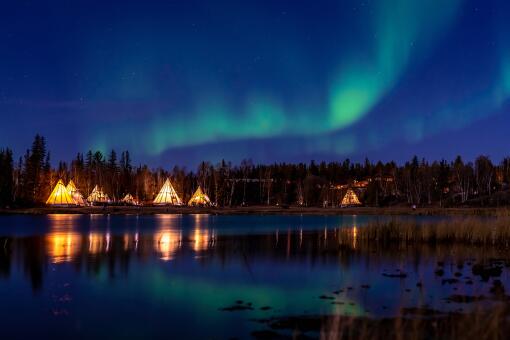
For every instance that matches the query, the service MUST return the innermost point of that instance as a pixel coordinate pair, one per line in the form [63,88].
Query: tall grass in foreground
[468,231]
[481,324]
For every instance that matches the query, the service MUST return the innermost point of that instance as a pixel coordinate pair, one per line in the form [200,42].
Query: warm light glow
[96,243]
[63,247]
[166,243]
[199,198]
[201,239]
[58,219]
[167,195]
[354,237]
[60,196]
[126,242]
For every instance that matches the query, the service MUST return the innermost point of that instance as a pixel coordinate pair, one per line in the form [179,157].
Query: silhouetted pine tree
[6,178]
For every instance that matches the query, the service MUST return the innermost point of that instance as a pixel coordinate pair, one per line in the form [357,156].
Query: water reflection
[202,237]
[107,252]
[190,268]
[97,243]
[63,247]
[63,221]
[354,236]
[167,242]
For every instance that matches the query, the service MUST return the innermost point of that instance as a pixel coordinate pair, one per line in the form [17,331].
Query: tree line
[29,180]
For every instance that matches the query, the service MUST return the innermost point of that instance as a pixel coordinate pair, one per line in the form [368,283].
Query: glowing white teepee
[129,199]
[167,195]
[98,196]
[350,199]
[75,193]
[60,196]
[199,198]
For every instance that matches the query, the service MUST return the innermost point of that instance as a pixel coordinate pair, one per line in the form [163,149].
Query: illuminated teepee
[98,196]
[167,195]
[129,199]
[350,199]
[199,198]
[75,193]
[60,196]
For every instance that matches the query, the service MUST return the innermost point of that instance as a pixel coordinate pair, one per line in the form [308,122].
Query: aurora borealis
[182,81]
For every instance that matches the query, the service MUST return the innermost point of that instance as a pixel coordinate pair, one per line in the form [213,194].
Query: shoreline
[260,210]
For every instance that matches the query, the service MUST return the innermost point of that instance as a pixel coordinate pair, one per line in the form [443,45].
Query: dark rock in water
[365,286]
[497,288]
[457,274]
[249,304]
[400,275]
[419,284]
[336,292]
[460,265]
[486,271]
[439,272]
[338,303]
[440,263]
[325,297]
[265,308]
[268,334]
[301,323]
[469,282]
[239,302]
[408,290]
[449,281]
[237,307]
[349,288]
[421,311]
[465,298]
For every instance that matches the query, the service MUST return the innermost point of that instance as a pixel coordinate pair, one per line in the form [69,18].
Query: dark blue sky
[177,82]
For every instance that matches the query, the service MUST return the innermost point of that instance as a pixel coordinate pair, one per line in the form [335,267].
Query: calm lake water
[202,276]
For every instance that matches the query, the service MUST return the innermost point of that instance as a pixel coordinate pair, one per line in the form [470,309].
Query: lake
[218,277]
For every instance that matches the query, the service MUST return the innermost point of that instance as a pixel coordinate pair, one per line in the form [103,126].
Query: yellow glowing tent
[350,199]
[98,196]
[129,199]
[60,196]
[75,193]
[199,198]
[167,195]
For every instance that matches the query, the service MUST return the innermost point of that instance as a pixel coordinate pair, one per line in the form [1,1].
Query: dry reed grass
[468,231]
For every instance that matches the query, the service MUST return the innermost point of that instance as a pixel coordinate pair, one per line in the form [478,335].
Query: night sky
[177,82]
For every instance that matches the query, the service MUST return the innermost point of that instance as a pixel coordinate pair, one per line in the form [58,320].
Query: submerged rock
[439,272]
[325,297]
[486,271]
[400,275]
[465,298]
[498,289]
[449,281]
[236,308]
